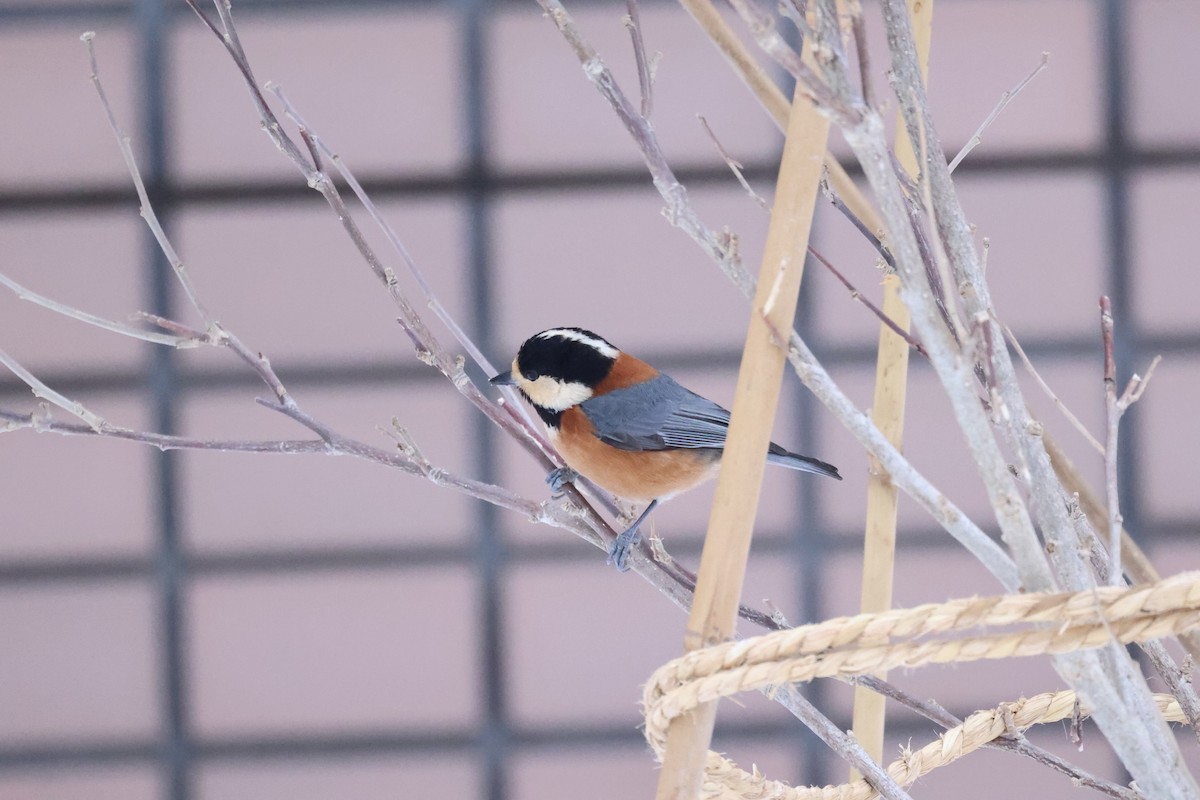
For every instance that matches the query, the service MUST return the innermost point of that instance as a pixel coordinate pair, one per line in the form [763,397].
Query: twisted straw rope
[1044,623]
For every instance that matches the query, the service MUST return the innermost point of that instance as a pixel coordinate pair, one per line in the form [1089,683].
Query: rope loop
[957,631]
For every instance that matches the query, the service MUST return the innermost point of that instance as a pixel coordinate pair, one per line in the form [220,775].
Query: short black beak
[503,379]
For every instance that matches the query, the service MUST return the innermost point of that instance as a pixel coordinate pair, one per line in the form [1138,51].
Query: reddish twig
[874,309]
[734,166]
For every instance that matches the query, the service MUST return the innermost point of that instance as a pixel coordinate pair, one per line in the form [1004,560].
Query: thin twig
[99,322]
[871,236]
[762,27]
[878,312]
[40,390]
[1113,412]
[1005,99]
[863,52]
[734,166]
[146,210]
[428,348]
[1045,387]
[633,21]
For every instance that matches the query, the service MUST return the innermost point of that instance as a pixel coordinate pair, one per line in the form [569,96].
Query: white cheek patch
[555,395]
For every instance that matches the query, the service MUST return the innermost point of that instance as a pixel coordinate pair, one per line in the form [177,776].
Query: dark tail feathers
[783,458]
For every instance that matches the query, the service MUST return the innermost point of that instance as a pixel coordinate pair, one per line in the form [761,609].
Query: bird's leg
[558,478]
[621,547]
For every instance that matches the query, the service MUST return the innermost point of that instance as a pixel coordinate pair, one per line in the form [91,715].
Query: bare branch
[99,322]
[573,513]
[1137,385]
[878,312]
[147,211]
[871,236]
[1005,99]
[44,392]
[41,423]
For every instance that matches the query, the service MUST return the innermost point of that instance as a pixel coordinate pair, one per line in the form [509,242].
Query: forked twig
[1115,407]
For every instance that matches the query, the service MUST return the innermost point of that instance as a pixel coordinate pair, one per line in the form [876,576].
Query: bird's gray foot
[558,478]
[622,546]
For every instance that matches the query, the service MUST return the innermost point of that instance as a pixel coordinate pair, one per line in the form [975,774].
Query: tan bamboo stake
[887,411]
[731,522]
[773,100]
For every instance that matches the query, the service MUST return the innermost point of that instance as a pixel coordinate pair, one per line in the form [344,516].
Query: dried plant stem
[516,409]
[427,346]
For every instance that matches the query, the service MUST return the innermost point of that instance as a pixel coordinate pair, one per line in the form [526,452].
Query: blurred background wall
[216,626]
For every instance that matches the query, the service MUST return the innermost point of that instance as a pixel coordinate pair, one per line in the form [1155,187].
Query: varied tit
[623,424]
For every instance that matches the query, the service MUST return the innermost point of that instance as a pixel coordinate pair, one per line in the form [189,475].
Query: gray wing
[656,415]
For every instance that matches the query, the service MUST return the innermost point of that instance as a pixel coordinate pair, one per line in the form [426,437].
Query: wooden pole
[887,411]
[727,545]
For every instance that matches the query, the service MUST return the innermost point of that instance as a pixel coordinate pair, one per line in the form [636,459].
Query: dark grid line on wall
[164,395]
[177,752]
[491,556]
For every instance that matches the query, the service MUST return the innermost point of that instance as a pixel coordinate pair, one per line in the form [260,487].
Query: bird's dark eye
[531,374]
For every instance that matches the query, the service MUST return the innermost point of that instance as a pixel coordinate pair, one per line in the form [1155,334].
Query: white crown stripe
[599,345]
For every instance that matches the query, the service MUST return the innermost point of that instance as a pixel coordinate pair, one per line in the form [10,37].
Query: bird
[626,426]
